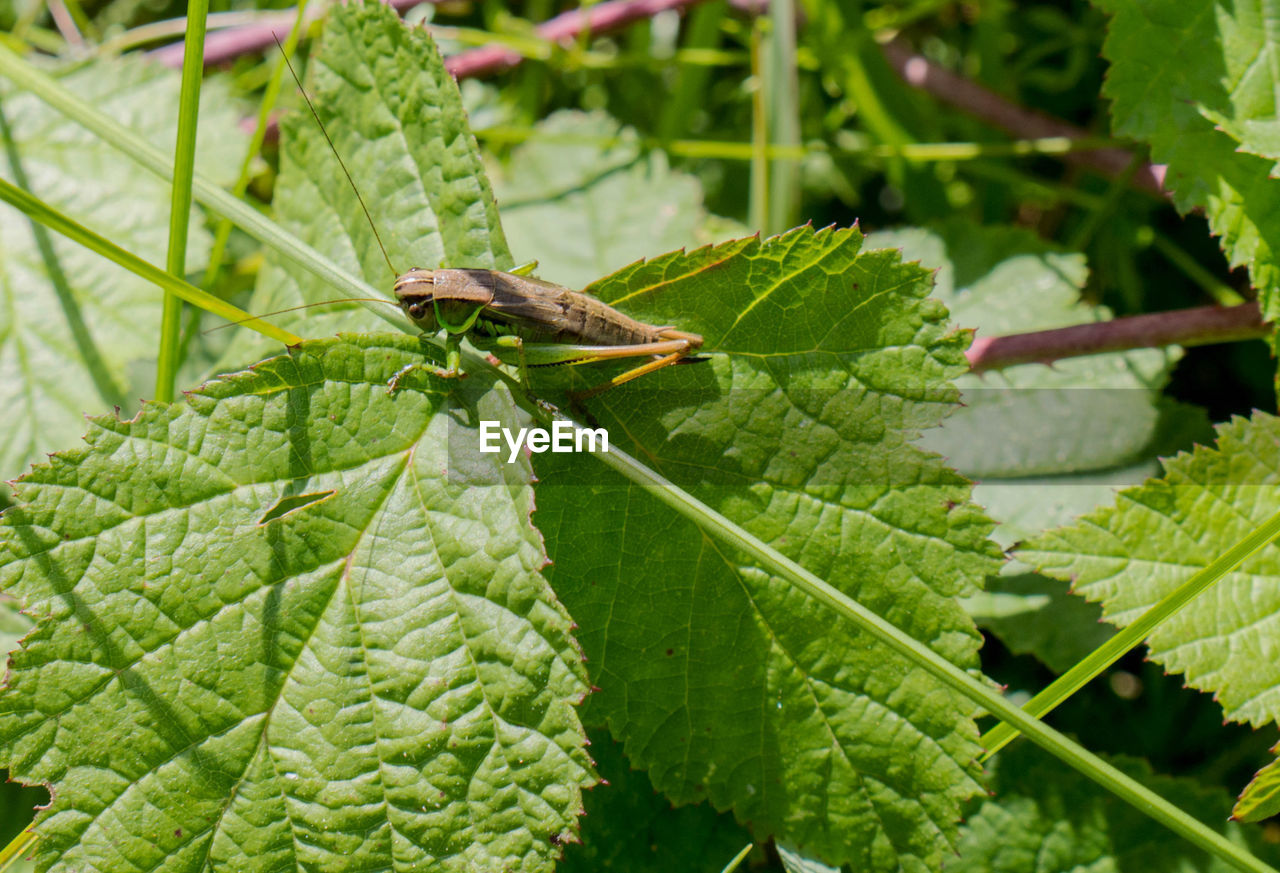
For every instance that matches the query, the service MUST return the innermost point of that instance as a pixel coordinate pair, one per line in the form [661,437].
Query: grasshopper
[522,321]
[531,323]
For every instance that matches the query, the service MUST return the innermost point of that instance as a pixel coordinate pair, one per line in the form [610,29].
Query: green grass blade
[703,29]
[17,847]
[56,221]
[208,194]
[184,159]
[1133,635]
[781,91]
[758,200]
[738,858]
[1217,290]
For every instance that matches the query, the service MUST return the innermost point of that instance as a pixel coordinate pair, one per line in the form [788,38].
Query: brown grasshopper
[531,323]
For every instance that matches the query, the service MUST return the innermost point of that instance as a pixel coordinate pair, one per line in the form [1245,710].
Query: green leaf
[1195,79]
[584,200]
[396,119]
[1130,555]
[627,826]
[1044,817]
[1049,443]
[1241,99]
[1034,615]
[76,329]
[346,650]
[380,675]
[726,683]
[1261,797]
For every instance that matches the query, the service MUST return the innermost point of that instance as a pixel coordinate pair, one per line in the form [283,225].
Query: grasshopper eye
[417,310]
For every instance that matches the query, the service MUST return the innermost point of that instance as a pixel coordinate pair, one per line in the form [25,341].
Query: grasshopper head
[416,292]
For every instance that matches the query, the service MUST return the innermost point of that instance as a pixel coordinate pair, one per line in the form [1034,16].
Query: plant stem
[566,27]
[150,158]
[1220,293]
[748,151]
[233,42]
[780,88]
[1200,326]
[184,158]
[18,846]
[758,196]
[269,98]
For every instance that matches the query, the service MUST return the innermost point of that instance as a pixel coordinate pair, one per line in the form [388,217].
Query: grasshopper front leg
[452,364]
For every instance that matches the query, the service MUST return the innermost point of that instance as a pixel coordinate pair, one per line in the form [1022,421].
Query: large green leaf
[395,117]
[73,326]
[723,682]
[291,620]
[298,621]
[1130,555]
[1195,79]
[1043,817]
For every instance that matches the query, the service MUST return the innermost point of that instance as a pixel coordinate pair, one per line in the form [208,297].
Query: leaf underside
[1047,443]
[1260,799]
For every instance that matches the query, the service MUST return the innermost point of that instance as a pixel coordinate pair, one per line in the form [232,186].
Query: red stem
[610,15]
[920,72]
[1186,327]
[226,45]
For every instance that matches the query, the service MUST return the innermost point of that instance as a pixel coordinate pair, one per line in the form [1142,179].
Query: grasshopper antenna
[332,148]
[296,308]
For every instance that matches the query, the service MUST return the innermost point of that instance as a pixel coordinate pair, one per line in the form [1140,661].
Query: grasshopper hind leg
[633,373]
